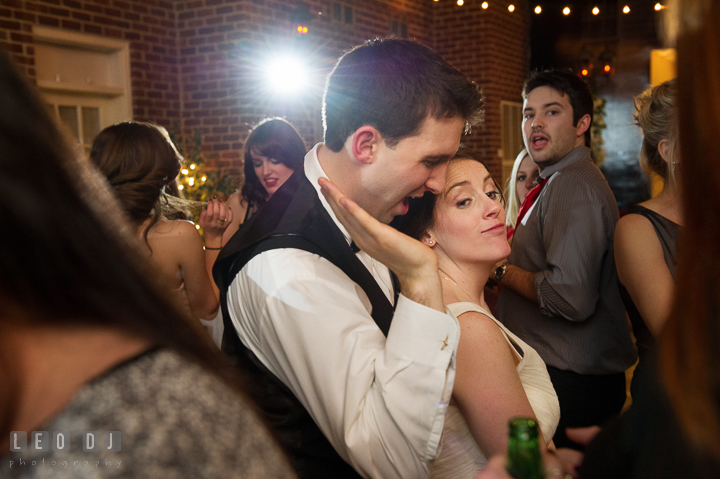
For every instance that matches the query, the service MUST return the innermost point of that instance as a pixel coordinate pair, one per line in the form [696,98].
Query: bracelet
[205,247]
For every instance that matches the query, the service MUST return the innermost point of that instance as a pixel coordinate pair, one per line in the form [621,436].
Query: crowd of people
[353,348]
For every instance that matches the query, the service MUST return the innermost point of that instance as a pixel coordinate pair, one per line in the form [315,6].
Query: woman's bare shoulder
[174,228]
[479,325]
[236,199]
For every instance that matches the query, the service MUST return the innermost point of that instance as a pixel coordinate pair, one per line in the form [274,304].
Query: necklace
[447,277]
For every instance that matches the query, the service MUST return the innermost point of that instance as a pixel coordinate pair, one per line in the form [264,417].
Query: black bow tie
[354,247]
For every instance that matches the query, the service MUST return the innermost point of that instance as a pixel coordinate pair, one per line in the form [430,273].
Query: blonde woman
[646,238]
[521,181]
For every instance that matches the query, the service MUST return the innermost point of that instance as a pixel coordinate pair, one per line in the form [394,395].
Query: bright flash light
[538,9]
[184,171]
[626,9]
[566,11]
[595,11]
[484,5]
[193,166]
[511,8]
[286,74]
[658,7]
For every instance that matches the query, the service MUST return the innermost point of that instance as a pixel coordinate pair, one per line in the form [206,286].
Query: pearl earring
[674,166]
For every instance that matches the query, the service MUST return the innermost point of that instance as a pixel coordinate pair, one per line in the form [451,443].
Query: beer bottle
[524,459]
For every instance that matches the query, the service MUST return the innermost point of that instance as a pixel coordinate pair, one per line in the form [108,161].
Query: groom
[353,377]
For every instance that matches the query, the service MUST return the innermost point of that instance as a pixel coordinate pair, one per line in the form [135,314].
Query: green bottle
[524,459]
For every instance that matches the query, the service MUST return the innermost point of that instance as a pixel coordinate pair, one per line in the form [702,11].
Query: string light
[203,179]
[538,9]
[607,68]
[184,171]
[484,5]
[511,8]
[595,11]
[180,187]
[566,11]
[626,9]
[193,166]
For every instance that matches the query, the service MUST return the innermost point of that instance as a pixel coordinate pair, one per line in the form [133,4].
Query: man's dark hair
[567,83]
[393,85]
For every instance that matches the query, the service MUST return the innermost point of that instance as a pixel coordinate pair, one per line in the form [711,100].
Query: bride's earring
[674,166]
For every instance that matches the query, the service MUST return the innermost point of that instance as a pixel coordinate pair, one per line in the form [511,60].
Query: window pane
[69,116]
[91,123]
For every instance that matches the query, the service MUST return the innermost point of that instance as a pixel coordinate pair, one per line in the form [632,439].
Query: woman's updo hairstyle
[655,114]
[138,160]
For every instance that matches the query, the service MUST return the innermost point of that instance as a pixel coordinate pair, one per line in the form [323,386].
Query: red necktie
[530,198]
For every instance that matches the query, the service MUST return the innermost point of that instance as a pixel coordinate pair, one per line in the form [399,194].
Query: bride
[498,376]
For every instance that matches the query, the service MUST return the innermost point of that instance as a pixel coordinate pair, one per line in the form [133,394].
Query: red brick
[27,17]
[9,25]
[92,29]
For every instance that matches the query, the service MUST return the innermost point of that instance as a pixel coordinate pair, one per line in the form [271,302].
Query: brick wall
[491,47]
[224,47]
[198,63]
[149,26]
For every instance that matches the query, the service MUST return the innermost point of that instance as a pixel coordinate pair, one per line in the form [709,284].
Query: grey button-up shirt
[579,322]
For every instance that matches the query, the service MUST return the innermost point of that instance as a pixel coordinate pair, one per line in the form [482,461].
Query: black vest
[293,218]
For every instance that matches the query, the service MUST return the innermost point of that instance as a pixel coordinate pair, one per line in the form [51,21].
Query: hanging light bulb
[566,11]
[626,9]
[538,10]
[511,8]
[595,11]
[484,5]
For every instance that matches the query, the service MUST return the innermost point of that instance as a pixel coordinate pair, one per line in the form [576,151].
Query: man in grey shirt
[559,285]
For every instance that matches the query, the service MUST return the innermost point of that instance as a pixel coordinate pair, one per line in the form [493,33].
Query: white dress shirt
[381,402]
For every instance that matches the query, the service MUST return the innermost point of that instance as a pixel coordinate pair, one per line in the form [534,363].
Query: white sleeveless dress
[460,456]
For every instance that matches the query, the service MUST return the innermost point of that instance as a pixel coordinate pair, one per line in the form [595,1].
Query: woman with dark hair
[274,150]
[498,376]
[88,338]
[646,238]
[141,163]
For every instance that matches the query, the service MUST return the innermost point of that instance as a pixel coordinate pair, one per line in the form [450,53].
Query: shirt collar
[580,153]
[313,172]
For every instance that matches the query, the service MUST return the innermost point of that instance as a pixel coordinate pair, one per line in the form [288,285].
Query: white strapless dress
[460,456]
